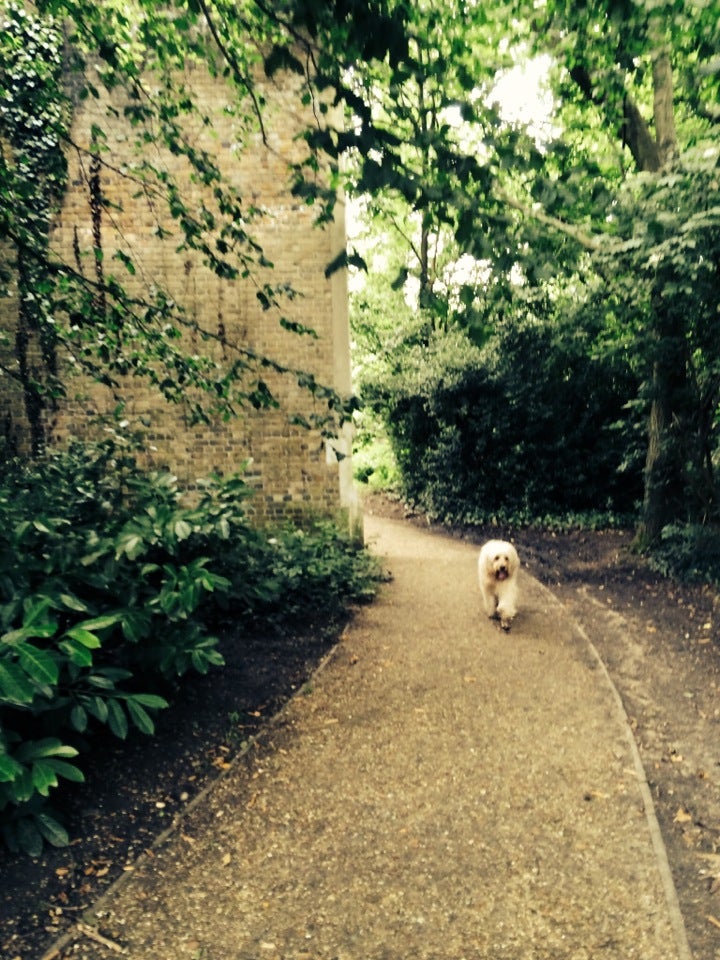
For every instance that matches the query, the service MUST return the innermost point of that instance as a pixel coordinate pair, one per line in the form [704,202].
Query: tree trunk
[636,137]
[663,111]
[664,494]
[664,468]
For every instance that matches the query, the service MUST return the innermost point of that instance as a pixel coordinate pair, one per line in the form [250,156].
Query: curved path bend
[440,791]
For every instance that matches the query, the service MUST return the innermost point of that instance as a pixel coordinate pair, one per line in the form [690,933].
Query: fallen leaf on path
[712,858]
[682,816]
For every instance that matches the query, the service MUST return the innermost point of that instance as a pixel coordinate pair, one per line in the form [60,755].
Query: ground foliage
[113,587]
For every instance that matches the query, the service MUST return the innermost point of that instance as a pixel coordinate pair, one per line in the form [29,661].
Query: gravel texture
[441,790]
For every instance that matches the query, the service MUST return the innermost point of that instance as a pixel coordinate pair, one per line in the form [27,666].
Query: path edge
[677,921]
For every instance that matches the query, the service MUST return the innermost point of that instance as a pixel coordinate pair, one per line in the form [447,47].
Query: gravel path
[441,791]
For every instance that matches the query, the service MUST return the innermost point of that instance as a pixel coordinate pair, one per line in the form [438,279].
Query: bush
[689,553]
[531,424]
[316,574]
[110,587]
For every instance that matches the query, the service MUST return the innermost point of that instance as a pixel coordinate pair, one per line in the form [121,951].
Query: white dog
[498,565]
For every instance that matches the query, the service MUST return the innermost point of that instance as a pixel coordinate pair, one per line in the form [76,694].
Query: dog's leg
[489,602]
[505,619]
[507,609]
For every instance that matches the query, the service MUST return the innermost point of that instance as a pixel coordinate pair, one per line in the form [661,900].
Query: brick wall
[292,469]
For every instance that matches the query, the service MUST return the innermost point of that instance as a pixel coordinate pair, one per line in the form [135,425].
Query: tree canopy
[623,193]
[618,197]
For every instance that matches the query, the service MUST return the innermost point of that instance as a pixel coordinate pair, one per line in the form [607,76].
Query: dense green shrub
[111,587]
[532,423]
[688,552]
[309,575]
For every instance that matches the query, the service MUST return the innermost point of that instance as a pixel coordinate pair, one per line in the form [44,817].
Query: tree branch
[590,242]
[232,62]
[634,131]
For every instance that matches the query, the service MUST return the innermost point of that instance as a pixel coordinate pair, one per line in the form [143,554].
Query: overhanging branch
[590,242]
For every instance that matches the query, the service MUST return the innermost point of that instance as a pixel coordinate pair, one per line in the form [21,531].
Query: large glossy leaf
[117,719]
[39,664]
[15,686]
[10,769]
[84,637]
[52,831]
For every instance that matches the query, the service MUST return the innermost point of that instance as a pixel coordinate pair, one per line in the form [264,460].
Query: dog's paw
[505,625]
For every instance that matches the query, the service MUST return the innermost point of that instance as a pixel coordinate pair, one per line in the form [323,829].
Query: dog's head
[501,559]
[501,566]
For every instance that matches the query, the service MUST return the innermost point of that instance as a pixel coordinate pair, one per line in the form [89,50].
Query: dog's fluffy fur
[498,565]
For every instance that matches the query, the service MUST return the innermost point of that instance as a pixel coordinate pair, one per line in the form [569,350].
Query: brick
[288,466]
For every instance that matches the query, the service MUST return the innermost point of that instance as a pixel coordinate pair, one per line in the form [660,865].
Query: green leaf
[10,769]
[47,747]
[102,623]
[79,718]
[85,637]
[130,544]
[73,603]
[97,707]
[140,717]
[51,830]
[43,777]
[38,664]
[29,837]
[38,630]
[150,700]
[77,652]
[66,770]
[35,612]
[136,625]
[182,529]
[14,685]
[22,786]
[117,720]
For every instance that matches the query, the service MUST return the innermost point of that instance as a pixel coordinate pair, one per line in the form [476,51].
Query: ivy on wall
[33,174]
